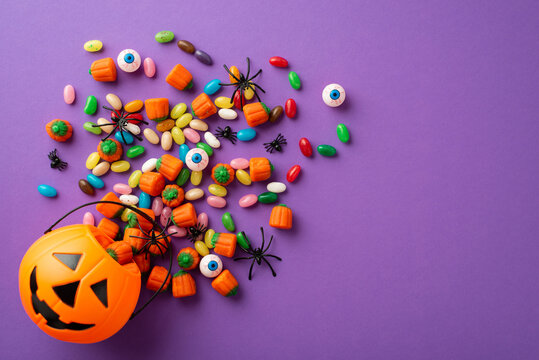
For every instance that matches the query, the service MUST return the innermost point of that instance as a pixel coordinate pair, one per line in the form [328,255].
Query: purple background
[418,241]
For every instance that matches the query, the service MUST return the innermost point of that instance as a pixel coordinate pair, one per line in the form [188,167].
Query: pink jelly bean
[191,135]
[165,215]
[216,201]
[149,67]
[88,219]
[203,219]
[248,200]
[157,206]
[239,163]
[122,189]
[179,232]
[69,94]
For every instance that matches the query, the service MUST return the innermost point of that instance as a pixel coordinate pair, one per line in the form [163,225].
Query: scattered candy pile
[161,180]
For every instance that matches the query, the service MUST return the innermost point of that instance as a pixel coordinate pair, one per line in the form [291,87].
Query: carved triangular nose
[67,292]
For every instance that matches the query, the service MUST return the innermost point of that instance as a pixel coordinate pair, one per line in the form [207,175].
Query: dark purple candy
[203,57]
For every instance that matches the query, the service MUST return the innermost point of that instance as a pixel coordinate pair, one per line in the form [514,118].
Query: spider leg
[271,267]
[241,98]
[274,256]
[248,67]
[251,270]
[233,94]
[269,244]
[230,73]
[256,85]
[257,97]
[122,135]
[243,258]
[263,239]
[258,73]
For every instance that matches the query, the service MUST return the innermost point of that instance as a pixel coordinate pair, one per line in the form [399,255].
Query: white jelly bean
[194,194]
[276,187]
[132,128]
[101,169]
[129,199]
[199,125]
[106,129]
[228,114]
[212,140]
[88,219]
[166,140]
[149,165]
[151,136]
[114,101]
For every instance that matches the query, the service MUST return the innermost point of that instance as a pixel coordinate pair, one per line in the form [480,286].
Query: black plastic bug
[56,162]
[227,133]
[275,145]
[243,83]
[152,238]
[193,232]
[259,254]
[120,119]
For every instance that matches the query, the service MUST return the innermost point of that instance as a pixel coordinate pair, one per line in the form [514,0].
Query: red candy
[278,61]
[293,173]
[305,147]
[237,98]
[135,118]
[290,108]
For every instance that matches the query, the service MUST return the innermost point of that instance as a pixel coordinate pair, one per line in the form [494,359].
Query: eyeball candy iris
[128,60]
[333,95]
[211,266]
[196,159]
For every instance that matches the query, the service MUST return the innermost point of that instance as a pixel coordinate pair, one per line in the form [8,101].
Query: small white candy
[106,129]
[114,101]
[276,187]
[149,165]
[211,266]
[228,114]
[166,140]
[132,128]
[199,125]
[212,140]
[151,136]
[129,199]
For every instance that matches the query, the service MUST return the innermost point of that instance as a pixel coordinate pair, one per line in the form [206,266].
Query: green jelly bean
[89,126]
[183,177]
[342,133]
[228,222]
[135,151]
[326,150]
[295,82]
[267,198]
[164,36]
[206,148]
[243,241]
[91,105]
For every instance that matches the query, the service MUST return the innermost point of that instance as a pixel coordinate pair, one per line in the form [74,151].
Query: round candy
[124,137]
[128,60]
[149,67]
[290,108]
[246,134]
[149,165]
[194,194]
[295,82]
[164,36]
[293,173]
[305,147]
[85,187]
[211,266]
[93,45]
[326,150]
[95,181]
[276,187]
[144,200]
[196,159]
[342,133]
[212,86]
[69,94]
[134,178]
[92,160]
[191,135]
[212,140]
[122,189]
[239,163]
[203,57]
[228,114]
[228,222]
[248,200]
[216,201]
[114,101]
[91,105]
[333,95]
[278,61]
[101,168]
[47,190]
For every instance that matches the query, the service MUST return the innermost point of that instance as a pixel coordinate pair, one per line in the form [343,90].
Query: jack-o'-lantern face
[73,290]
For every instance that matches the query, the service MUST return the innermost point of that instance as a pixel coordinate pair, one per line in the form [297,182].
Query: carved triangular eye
[69,260]
[100,290]
[67,292]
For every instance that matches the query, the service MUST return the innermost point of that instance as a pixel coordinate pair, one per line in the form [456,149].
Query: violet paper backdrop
[418,241]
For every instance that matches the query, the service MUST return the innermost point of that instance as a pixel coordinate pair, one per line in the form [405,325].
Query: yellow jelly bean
[92,160]
[134,178]
[207,238]
[184,120]
[201,248]
[178,110]
[120,166]
[249,93]
[223,102]
[196,177]
[125,213]
[93,45]
[243,177]
[177,135]
[217,190]
[133,106]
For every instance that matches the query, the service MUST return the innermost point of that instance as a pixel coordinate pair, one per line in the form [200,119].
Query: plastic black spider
[120,119]
[152,238]
[227,133]
[244,83]
[56,163]
[194,232]
[259,254]
[275,144]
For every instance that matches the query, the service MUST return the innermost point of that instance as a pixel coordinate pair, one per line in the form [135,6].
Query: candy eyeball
[211,266]
[196,159]
[128,60]
[333,95]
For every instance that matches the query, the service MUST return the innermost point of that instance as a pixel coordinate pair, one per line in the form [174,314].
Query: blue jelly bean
[127,136]
[212,87]
[95,181]
[144,200]
[246,134]
[46,190]
[184,149]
